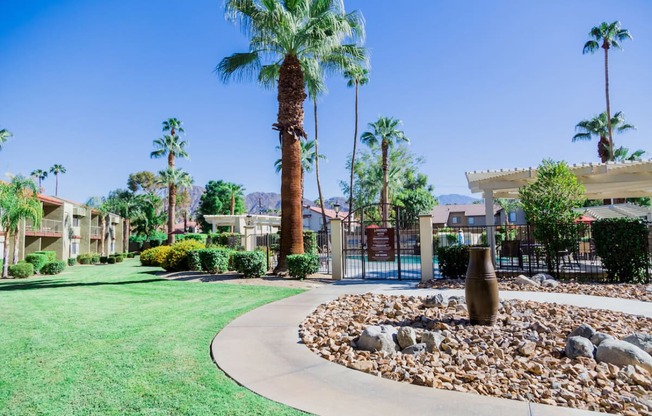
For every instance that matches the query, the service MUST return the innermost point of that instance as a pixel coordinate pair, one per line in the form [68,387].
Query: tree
[292,35]
[99,204]
[416,197]
[123,203]
[217,199]
[605,36]
[598,127]
[385,132]
[4,136]
[548,203]
[356,76]
[174,178]
[147,215]
[234,191]
[316,87]
[56,170]
[622,155]
[39,174]
[172,146]
[144,181]
[308,160]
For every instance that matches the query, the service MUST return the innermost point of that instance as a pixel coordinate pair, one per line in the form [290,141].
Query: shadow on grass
[50,284]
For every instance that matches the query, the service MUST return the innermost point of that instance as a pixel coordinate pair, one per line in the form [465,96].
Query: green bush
[215,260]
[118,258]
[194,261]
[250,263]
[111,260]
[224,240]
[52,255]
[177,258]
[103,259]
[131,255]
[72,261]
[38,260]
[21,270]
[302,265]
[453,260]
[189,236]
[309,242]
[154,256]
[54,267]
[621,243]
[84,260]
[95,258]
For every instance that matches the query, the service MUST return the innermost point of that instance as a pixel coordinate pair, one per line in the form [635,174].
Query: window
[75,248]
[75,222]
[512,217]
[471,220]
[455,220]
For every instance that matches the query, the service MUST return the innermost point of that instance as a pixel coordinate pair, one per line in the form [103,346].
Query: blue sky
[478,84]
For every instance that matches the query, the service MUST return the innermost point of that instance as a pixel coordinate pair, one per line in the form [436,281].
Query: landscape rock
[525,281]
[641,340]
[434,301]
[622,353]
[541,277]
[432,340]
[550,283]
[579,347]
[584,331]
[598,337]
[378,338]
[415,349]
[406,337]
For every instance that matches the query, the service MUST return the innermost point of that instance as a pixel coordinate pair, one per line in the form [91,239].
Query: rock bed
[640,292]
[521,357]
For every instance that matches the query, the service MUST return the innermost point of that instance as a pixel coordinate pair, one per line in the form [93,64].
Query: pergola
[600,180]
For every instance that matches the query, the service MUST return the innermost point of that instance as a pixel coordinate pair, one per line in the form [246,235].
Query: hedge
[194,261]
[189,236]
[215,260]
[177,257]
[21,270]
[111,260]
[224,240]
[250,263]
[38,260]
[104,259]
[622,245]
[302,265]
[54,267]
[72,261]
[154,256]
[453,260]
[310,242]
[52,255]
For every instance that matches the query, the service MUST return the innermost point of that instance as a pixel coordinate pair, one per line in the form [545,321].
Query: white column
[336,248]
[489,221]
[425,237]
[249,238]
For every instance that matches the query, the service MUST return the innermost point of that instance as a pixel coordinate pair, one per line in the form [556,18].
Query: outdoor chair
[510,250]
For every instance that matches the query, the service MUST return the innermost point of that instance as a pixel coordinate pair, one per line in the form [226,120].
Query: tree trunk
[355,143]
[384,200]
[606,88]
[321,197]
[56,186]
[291,95]
[125,235]
[16,238]
[102,232]
[232,208]
[172,197]
[5,255]
[603,149]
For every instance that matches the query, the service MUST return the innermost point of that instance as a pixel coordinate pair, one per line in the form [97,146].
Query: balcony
[96,232]
[49,228]
[79,211]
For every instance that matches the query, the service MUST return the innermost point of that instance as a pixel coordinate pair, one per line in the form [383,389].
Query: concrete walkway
[261,350]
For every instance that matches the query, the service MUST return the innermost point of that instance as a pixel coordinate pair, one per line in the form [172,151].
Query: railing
[47,227]
[96,232]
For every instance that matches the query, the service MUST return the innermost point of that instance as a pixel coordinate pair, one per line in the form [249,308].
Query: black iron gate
[375,249]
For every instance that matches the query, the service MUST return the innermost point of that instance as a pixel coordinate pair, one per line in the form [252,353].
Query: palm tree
[386,133]
[172,146]
[598,127]
[291,34]
[18,202]
[308,158]
[56,170]
[356,77]
[173,178]
[4,136]
[100,205]
[39,174]
[622,154]
[234,191]
[605,36]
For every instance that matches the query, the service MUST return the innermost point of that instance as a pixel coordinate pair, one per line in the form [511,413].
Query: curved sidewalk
[261,350]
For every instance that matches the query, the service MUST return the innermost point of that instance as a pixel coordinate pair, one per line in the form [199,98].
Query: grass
[118,340]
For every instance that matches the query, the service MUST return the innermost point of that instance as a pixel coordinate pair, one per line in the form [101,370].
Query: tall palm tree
[4,136]
[290,34]
[356,76]
[384,132]
[172,146]
[308,158]
[605,36]
[622,154]
[598,127]
[234,191]
[18,202]
[56,170]
[174,178]
[39,174]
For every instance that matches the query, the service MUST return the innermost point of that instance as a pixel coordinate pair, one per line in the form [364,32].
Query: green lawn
[117,340]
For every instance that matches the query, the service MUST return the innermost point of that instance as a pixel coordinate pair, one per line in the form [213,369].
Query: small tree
[548,204]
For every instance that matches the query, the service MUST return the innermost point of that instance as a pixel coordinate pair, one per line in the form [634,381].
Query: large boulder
[378,338]
[525,281]
[406,337]
[598,337]
[435,301]
[623,353]
[579,347]
[552,283]
[432,340]
[584,331]
[641,340]
[541,277]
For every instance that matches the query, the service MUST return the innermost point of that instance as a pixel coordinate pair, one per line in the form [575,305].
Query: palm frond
[239,66]
[590,47]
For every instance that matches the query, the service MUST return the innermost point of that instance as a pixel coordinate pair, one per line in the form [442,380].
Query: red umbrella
[585,219]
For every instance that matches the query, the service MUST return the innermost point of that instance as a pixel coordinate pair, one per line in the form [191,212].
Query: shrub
[52,255]
[215,260]
[131,255]
[189,236]
[177,258]
[154,256]
[301,265]
[621,243]
[86,258]
[225,240]
[104,259]
[111,260]
[21,270]
[453,260]
[54,267]
[194,261]
[309,242]
[250,263]
[38,260]
[72,261]
[118,258]
[95,258]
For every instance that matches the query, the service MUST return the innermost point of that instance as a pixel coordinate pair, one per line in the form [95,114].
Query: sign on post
[380,244]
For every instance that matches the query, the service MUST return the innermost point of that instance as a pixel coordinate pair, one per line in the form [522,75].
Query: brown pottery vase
[481,287]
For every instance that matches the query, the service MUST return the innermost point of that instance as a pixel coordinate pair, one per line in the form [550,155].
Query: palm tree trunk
[384,201]
[172,196]
[355,143]
[232,208]
[321,197]
[606,88]
[16,238]
[291,95]
[5,255]
[125,235]
[56,186]
[102,232]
